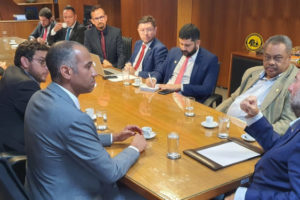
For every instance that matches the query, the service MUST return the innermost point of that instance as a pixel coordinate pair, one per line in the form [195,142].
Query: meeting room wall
[224,25]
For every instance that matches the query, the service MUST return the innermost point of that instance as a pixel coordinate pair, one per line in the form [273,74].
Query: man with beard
[66,156]
[277,173]
[269,83]
[17,85]
[43,29]
[103,40]
[190,69]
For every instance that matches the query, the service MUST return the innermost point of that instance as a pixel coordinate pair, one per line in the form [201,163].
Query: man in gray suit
[104,40]
[66,157]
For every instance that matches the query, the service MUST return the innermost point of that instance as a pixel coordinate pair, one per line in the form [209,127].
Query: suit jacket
[154,57]
[77,34]
[16,88]
[203,77]
[39,31]
[66,157]
[113,45]
[277,173]
[276,105]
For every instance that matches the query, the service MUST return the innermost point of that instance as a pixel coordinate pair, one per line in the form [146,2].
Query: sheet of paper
[227,153]
[120,78]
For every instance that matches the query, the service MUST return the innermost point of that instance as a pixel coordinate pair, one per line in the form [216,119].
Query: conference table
[8,47]
[154,175]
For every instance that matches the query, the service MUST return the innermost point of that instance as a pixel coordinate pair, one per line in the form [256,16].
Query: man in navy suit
[71,29]
[148,52]
[66,156]
[43,29]
[103,40]
[190,69]
[277,173]
[17,85]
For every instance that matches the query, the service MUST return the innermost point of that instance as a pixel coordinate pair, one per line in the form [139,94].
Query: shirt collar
[194,56]
[72,25]
[262,76]
[71,95]
[30,76]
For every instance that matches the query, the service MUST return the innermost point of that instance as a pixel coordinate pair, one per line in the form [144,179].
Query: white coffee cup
[13,41]
[137,81]
[209,119]
[64,25]
[90,112]
[147,131]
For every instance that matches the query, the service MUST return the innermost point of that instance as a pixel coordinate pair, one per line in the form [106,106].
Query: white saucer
[152,135]
[247,137]
[209,125]
[102,127]
[13,43]
[135,85]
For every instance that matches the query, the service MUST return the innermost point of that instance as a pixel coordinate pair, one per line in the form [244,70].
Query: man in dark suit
[104,40]
[277,173]
[71,29]
[191,70]
[66,156]
[148,52]
[43,29]
[17,85]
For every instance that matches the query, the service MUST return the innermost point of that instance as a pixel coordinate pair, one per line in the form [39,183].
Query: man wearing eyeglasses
[148,52]
[104,40]
[269,84]
[17,85]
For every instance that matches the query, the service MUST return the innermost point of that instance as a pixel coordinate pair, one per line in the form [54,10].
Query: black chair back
[10,186]
[127,47]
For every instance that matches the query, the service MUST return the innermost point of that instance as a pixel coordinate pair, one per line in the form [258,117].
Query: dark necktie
[182,70]
[103,44]
[140,57]
[68,34]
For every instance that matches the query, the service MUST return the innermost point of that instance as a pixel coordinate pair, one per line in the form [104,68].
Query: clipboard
[203,154]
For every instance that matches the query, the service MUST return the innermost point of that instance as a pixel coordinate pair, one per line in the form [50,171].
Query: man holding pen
[189,69]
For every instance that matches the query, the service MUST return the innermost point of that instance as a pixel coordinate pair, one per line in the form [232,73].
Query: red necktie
[182,70]
[45,34]
[103,44]
[140,57]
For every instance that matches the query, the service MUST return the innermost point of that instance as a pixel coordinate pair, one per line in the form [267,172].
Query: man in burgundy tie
[44,27]
[148,52]
[189,69]
[104,40]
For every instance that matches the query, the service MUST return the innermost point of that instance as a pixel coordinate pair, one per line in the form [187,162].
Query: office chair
[215,99]
[127,47]
[10,186]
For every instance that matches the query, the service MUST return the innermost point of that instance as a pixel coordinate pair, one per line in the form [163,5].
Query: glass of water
[189,106]
[101,120]
[173,146]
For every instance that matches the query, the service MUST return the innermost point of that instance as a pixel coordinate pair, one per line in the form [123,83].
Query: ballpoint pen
[150,80]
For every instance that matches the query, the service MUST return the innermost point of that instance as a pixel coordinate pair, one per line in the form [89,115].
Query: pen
[150,80]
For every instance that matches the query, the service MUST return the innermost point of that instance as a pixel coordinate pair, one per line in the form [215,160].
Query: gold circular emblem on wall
[254,42]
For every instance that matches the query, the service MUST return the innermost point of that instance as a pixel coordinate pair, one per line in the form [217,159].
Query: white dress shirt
[137,57]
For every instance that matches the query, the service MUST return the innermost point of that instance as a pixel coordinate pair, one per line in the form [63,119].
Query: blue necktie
[68,33]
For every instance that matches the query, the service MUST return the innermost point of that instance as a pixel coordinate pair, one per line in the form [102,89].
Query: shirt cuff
[181,87]
[132,147]
[240,193]
[52,32]
[252,120]
[111,138]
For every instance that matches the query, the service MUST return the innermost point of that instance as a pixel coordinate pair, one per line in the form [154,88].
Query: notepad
[144,87]
[224,154]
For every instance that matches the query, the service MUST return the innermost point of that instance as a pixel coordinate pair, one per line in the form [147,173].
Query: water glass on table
[101,121]
[125,75]
[189,106]
[173,146]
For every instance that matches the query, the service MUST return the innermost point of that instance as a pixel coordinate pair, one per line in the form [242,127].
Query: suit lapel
[73,33]
[197,65]
[149,51]
[57,90]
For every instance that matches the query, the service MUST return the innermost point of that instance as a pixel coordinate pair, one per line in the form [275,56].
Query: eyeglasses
[99,18]
[276,58]
[40,61]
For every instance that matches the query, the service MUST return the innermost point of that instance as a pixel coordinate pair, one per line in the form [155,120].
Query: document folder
[223,154]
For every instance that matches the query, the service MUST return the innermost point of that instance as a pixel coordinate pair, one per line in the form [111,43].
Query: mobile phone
[109,77]
[166,91]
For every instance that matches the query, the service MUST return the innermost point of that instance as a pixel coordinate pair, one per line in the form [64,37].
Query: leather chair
[215,99]
[127,47]
[10,186]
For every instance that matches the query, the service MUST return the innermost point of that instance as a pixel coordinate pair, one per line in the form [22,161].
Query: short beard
[189,54]
[295,103]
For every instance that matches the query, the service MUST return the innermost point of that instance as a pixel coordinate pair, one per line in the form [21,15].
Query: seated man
[269,84]
[43,29]
[148,52]
[104,41]
[190,69]
[17,85]
[66,157]
[277,174]
[73,31]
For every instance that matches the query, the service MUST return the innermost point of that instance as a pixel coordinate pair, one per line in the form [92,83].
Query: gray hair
[61,53]
[277,39]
